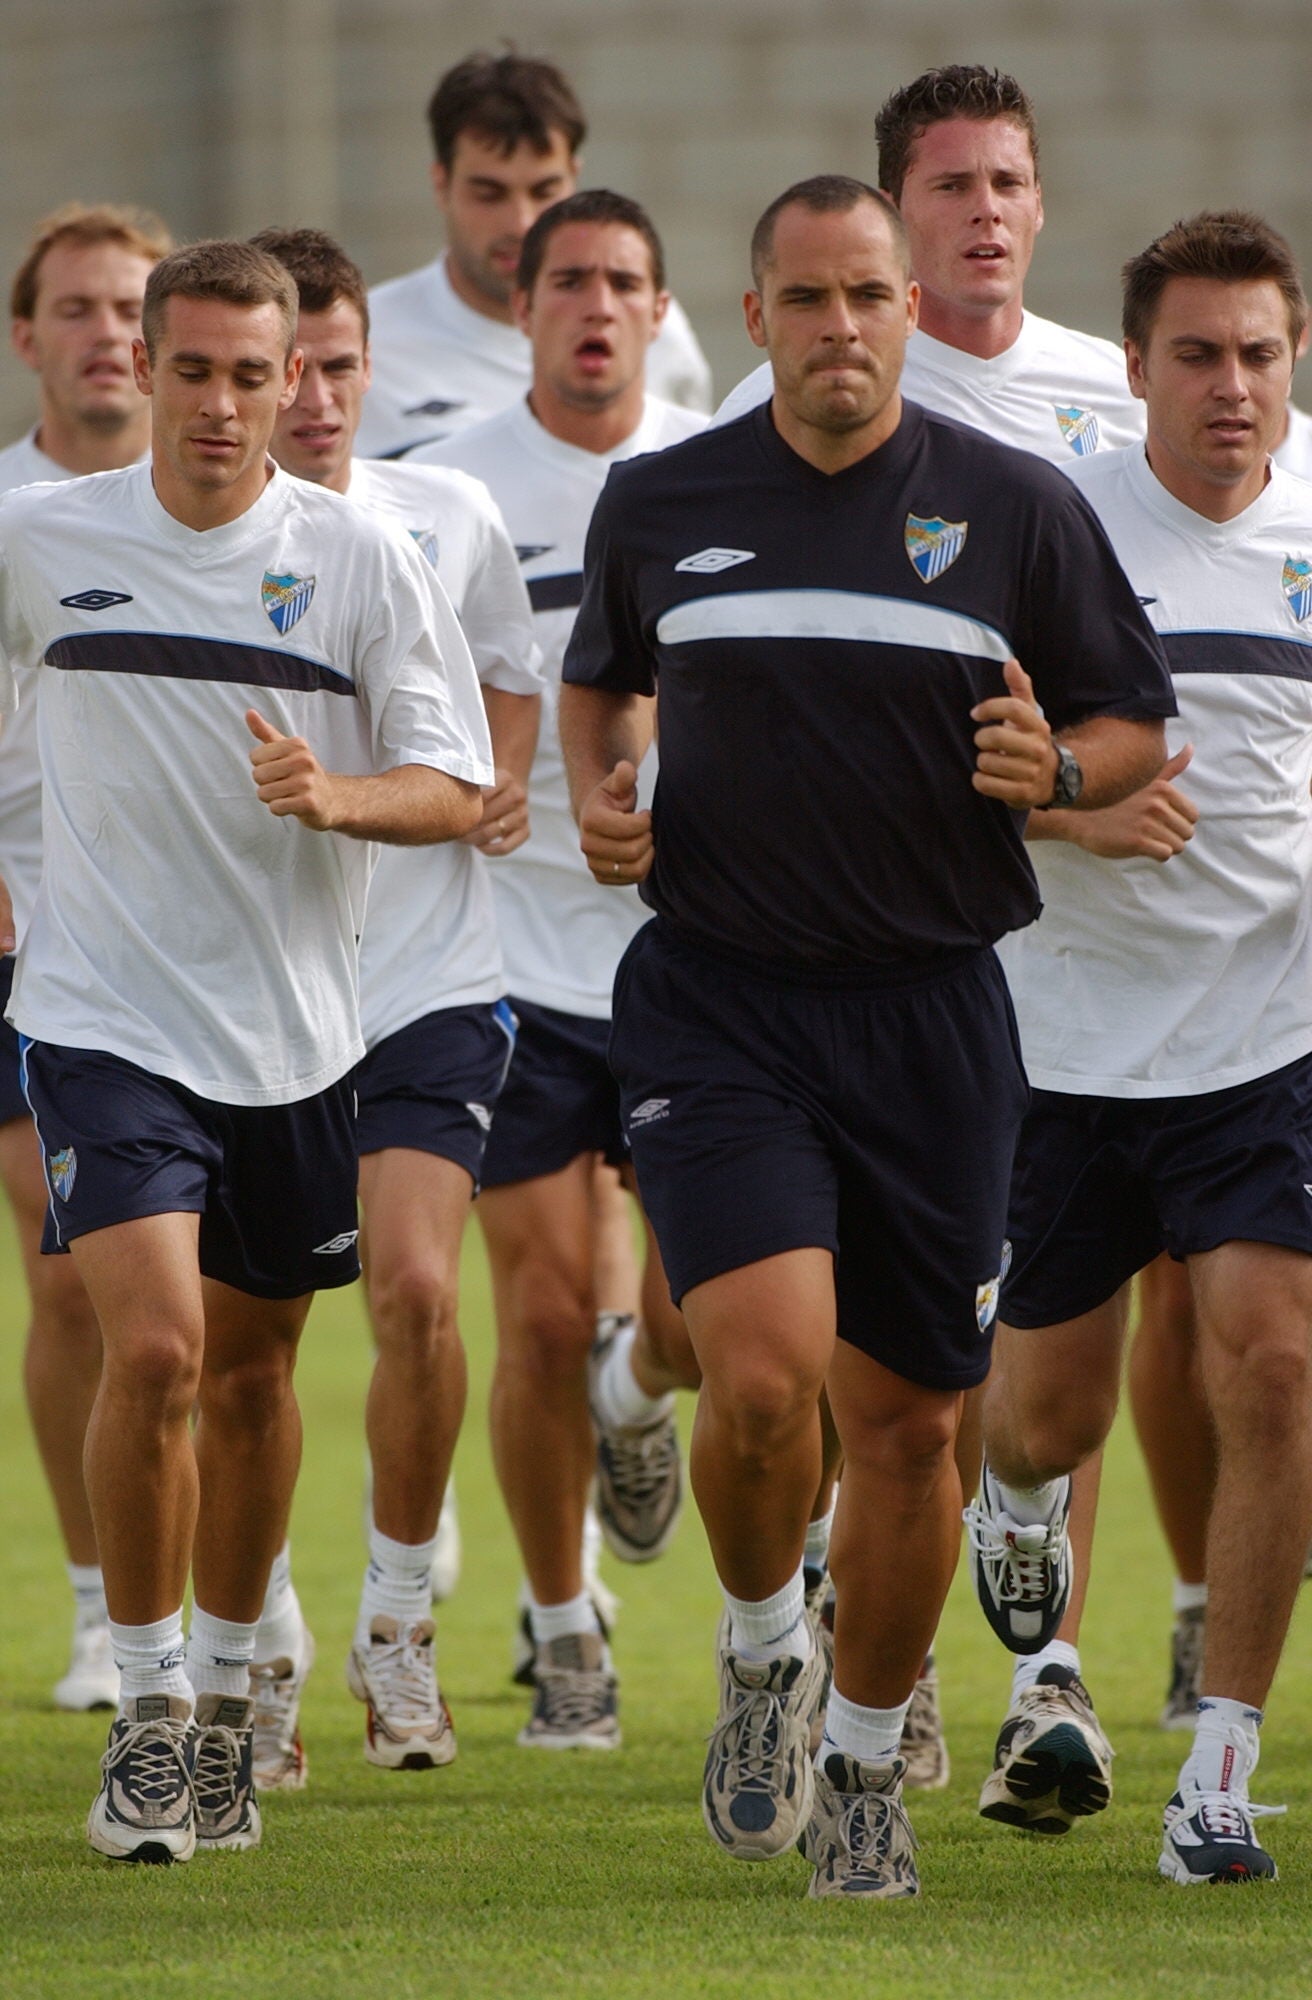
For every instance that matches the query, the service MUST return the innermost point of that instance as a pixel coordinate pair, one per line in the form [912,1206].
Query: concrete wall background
[229,114]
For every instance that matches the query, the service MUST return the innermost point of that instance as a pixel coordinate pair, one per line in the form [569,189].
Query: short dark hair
[236,274]
[321,270]
[511,100]
[825,194]
[958,90]
[136,229]
[587,205]
[1230,244]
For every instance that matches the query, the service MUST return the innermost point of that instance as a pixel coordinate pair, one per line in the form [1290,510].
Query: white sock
[870,1734]
[779,1624]
[1029,1506]
[816,1554]
[562,1621]
[1225,1748]
[1028,1668]
[398,1582]
[621,1400]
[281,1631]
[219,1654]
[88,1584]
[1188,1597]
[151,1659]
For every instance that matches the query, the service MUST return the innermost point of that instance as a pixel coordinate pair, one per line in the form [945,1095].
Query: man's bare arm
[410,806]
[1017,759]
[604,737]
[1154,823]
[513,721]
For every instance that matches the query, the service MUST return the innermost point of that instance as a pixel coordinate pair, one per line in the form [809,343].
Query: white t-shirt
[179,924]
[430,935]
[562,934]
[1055,392]
[1150,979]
[439,366]
[1294,454]
[23,464]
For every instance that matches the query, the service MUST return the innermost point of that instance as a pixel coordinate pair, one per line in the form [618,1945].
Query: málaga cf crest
[1296,582]
[933,545]
[286,599]
[425,540]
[1079,428]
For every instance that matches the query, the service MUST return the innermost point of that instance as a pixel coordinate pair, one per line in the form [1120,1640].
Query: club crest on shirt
[63,1171]
[986,1295]
[1078,427]
[934,544]
[286,599]
[1296,582]
[425,540]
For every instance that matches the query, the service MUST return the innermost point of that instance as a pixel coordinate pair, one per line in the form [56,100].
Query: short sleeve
[607,649]
[495,611]
[418,676]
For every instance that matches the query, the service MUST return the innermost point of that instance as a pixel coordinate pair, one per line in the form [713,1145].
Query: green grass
[534,1877]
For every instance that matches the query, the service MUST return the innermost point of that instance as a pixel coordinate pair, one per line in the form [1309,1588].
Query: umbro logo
[96,600]
[650,1110]
[336,1244]
[481,1115]
[529,551]
[437,406]
[709,562]
[1147,600]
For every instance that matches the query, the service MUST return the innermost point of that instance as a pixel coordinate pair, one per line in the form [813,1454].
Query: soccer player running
[186,985]
[439,1037]
[76,304]
[1164,1019]
[589,298]
[448,348]
[814,1041]
[958,152]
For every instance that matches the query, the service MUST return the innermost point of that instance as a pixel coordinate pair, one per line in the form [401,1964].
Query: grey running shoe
[1022,1574]
[576,1706]
[1208,1837]
[1186,1668]
[227,1812]
[923,1748]
[639,1485]
[92,1677]
[758,1782]
[278,1761]
[859,1839]
[145,1808]
[1053,1763]
[407,1723]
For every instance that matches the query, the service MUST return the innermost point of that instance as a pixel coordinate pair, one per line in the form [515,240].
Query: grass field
[531,1876]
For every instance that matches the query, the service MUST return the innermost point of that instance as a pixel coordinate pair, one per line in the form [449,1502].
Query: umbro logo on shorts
[481,1115]
[530,551]
[96,600]
[650,1110]
[336,1244]
[709,562]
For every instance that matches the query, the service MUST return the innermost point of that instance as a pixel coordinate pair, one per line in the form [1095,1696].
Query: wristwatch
[1069,782]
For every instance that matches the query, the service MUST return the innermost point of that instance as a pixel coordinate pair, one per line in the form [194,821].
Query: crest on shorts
[286,599]
[1078,427]
[934,544]
[425,540]
[63,1171]
[986,1295]
[1296,582]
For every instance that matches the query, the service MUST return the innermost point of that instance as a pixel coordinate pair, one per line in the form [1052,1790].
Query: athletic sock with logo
[151,1659]
[562,1621]
[1031,1665]
[88,1582]
[1030,1506]
[870,1734]
[621,1400]
[280,1634]
[815,1556]
[219,1654]
[761,1630]
[1225,1747]
[398,1582]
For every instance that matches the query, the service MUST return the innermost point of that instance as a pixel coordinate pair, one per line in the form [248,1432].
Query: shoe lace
[404,1672]
[276,1704]
[643,1461]
[1225,1817]
[875,1831]
[149,1760]
[922,1723]
[216,1765]
[749,1735]
[572,1697]
[1016,1562]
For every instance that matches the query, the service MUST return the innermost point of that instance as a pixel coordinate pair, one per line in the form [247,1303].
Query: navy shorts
[13,1104]
[433,1085]
[274,1185]
[560,1099]
[875,1120]
[1104,1184]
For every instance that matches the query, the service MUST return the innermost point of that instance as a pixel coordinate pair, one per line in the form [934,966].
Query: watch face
[1070,779]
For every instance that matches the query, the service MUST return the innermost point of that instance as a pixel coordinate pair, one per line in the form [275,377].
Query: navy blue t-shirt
[818,642]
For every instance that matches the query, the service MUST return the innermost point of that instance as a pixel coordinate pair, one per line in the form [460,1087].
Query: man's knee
[554,1321]
[158,1370]
[760,1403]
[249,1395]
[413,1305]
